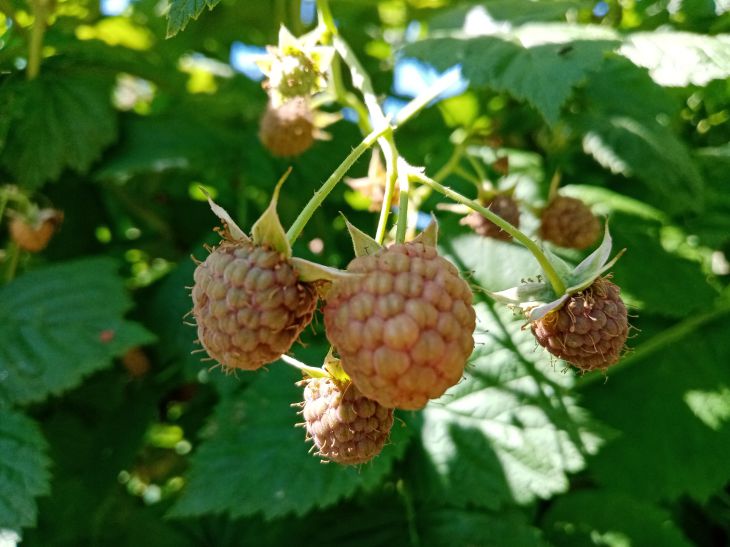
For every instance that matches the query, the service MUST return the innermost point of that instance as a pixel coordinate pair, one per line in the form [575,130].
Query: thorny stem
[320,195]
[550,273]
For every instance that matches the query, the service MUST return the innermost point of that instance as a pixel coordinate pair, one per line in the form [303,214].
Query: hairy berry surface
[249,305]
[287,130]
[501,205]
[568,222]
[589,330]
[346,426]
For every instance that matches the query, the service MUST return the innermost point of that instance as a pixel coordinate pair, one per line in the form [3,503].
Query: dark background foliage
[112,433]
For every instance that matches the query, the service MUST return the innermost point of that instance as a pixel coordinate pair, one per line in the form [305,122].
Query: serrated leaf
[362,243]
[523,62]
[267,230]
[257,462]
[181,11]
[679,59]
[70,123]
[580,518]
[628,137]
[658,415]
[24,473]
[61,323]
[510,432]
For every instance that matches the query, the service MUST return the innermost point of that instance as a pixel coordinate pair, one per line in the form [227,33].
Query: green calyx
[365,245]
[538,298]
[267,231]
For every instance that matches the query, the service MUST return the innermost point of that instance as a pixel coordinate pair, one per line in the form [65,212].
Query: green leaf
[679,59]
[671,407]
[181,11]
[510,432]
[514,11]
[525,62]
[67,123]
[61,323]
[629,138]
[256,460]
[24,471]
[581,518]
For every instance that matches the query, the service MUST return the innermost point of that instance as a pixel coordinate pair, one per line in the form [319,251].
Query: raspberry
[589,330]
[501,205]
[35,236]
[568,222]
[287,130]
[249,305]
[346,426]
[294,75]
[403,329]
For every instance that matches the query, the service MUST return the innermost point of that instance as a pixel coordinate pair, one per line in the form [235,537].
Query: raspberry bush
[490,282]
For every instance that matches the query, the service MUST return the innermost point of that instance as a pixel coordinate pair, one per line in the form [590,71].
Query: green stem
[417,104]
[453,161]
[405,188]
[12,255]
[481,174]
[550,273]
[667,337]
[3,203]
[41,11]
[554,184]
[319,196]
[466,175]
[391,175]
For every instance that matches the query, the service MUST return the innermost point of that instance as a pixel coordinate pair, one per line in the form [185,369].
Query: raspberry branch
[550,272]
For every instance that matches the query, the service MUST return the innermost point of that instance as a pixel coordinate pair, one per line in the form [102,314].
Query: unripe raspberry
[35,236]
[568,222]
[589,330]
[249,305]
[294,75]
[501,205]
[287,130]
[403,330]
[346,427]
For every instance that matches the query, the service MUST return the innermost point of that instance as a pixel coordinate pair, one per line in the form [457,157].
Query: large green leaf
[510,432]
[672,407]
[61,323]
[23,469]
[629,137]
[67,121]
[680,58]
[601,517]
[256,460]
[525,63]
[181,11]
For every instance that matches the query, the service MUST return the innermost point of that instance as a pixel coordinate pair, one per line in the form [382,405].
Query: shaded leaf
[24,471]
[70,123]
[61,323]
[579,518]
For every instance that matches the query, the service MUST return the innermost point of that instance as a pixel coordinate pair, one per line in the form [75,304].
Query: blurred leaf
[668,447]
[67,122]
[256,460]
[24,471]
[514,11]
[680,59]
[523,63]
[627,136]
[61,323]
[181,11]
[581,518]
